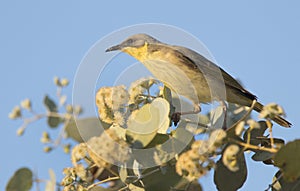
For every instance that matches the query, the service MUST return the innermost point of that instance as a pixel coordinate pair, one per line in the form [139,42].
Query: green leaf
[227,180]
[138,140]
[167,147]
[53,122]
[123,173]
[217,117]
[255,133]
[235,113]
[51,184]
[182,137]
[137,169]
[162,107]
[158,140]
[186,185]
[148,158]
[120,131]
[266,142]
[133,187]
[100,188]
[20,181]
[145,123]
[161,180]
[85,128]
[50,104]
[287,159]
[281,184]
[262,155]
[167,94]
[194,186]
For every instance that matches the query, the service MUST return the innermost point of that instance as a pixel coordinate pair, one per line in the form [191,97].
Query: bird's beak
[113,48]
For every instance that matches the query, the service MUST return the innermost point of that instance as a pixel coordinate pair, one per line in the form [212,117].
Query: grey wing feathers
[213,70]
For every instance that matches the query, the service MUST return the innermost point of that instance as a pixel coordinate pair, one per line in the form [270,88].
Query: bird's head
[134,45]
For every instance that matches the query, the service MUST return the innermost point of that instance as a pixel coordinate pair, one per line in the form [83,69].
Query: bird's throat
[140,53]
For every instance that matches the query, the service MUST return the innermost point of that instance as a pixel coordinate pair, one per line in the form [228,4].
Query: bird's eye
[129,41]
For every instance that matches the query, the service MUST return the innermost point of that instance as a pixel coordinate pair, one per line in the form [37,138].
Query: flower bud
[64,82]
[26,104]
[15,113]
[56,81]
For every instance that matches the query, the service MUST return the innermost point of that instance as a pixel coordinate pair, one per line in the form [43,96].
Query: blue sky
[255,41]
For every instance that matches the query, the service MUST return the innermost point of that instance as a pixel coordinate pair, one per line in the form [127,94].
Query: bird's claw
[176,117]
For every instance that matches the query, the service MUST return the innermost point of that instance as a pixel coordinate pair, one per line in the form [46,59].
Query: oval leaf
[255,133]
[53,122]
[161,180]
[85,128]
[287,159]
[51,184]
[217,117]
[162,107]
[194,186]
[123,173]
[262,156]
[145,123]
[226,180]
[50,104]
[283,185]
[20,181]
[133,187]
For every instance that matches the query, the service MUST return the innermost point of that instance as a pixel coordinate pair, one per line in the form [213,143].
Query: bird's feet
[176,115]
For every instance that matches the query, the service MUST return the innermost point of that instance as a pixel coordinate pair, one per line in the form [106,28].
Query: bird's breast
[174,70]
[179,78]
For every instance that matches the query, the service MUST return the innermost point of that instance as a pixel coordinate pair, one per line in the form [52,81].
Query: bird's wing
[213,71]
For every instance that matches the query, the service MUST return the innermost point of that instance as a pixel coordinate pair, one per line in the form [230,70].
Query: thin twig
[125,187]
[246,115]
[103,181]
[249,146]
[63,130]
[275,181]
[188,186]
[42,115]
[36,182]
[269,125]
[58,92]
[55,114]
[145,175]
[196,123]
[27,121]
[140,178]
[249,136]
[148,96]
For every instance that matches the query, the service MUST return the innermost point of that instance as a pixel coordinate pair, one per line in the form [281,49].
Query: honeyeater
[188,73]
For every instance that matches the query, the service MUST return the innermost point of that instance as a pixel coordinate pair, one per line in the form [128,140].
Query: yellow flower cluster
[79,152]
[191,165]
[139,88]
[108,149]
[271,110]
[105,150]
[195,162]
[111,103]
[71,175]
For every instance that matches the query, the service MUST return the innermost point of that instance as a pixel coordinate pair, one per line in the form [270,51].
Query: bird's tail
[278,119]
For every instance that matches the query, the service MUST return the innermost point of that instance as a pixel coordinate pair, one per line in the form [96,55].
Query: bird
[189,73]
